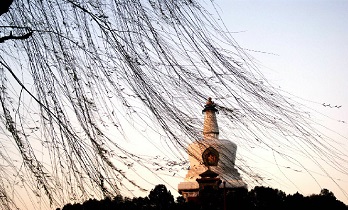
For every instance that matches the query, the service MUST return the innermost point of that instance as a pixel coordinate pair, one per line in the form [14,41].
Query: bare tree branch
[14,37]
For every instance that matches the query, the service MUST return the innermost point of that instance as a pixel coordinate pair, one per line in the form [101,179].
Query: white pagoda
[211,155]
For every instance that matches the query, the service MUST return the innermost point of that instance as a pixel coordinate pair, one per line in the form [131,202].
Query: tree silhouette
[296,201]
[75,75]
[258,198]
[161,197]
[238,199]
[267,198]
[325,200]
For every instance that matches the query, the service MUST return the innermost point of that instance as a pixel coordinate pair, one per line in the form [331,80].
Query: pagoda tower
[211,155]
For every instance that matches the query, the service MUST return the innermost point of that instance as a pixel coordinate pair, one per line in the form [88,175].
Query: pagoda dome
[225,166]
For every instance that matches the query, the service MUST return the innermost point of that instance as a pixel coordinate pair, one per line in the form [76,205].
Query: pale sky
[301,48]
[306,48]
[308,38]
[305,45]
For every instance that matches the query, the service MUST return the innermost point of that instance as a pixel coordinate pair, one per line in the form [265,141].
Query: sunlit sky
[306,41]
[301,47]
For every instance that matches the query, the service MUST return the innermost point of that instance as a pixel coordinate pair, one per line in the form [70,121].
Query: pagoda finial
[209,102]
[210,105]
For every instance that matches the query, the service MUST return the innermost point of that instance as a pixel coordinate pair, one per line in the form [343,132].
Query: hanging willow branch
[93,70]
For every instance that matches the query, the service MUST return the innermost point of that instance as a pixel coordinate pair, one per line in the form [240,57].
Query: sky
[306,41]
[301,47]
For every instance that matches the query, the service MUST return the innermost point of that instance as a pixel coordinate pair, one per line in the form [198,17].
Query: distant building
[212,160]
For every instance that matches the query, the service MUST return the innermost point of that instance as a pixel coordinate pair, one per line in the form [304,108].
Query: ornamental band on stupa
[211,156]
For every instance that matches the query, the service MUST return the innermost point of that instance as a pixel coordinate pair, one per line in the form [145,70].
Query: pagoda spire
[210,127]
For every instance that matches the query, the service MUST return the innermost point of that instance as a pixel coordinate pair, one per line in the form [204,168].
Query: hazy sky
[300,47]
[306,49]
[308,38]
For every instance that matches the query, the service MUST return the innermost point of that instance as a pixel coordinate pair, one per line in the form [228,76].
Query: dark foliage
[259,198]
[161,198]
